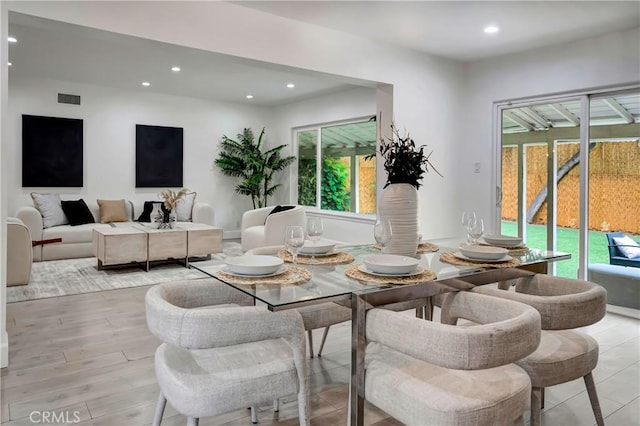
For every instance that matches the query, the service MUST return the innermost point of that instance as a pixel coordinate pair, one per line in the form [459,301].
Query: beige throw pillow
[112,211]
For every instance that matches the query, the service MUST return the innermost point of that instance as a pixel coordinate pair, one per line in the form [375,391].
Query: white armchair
[19,252]
[259,228]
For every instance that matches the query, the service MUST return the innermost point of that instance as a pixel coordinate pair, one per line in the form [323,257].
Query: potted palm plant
[243,158]
[405,164]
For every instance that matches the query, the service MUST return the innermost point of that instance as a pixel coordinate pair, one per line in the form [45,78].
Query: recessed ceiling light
[491,29]
[175,69]
[146,83]
[249,96]
[9,63]
[291,85]
[12,39]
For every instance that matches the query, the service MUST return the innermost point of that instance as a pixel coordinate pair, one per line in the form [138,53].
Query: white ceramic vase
[399,205]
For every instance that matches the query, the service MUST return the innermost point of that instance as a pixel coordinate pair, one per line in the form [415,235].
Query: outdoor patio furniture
[616,257]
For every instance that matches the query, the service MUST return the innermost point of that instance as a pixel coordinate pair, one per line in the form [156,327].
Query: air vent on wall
[68,99]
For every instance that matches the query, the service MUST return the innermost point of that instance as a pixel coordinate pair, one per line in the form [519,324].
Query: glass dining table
[329,283]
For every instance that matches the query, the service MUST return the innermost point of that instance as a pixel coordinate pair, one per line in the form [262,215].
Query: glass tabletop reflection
[329,282]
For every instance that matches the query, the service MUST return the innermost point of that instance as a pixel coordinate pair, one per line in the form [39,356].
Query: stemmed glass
[475,229]
[293,240]
[468,217]
[382,232]
[314,230]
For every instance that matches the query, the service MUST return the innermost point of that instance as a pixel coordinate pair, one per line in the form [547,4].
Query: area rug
[74,276]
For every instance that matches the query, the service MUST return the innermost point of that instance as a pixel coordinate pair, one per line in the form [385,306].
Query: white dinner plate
[280,270]
[317,247]
[459,255]
[330,253]
[254,264]
[505,241]
[390,264]
[483,252]
[417,271]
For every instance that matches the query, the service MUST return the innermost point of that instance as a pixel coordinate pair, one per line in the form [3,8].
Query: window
[344,180]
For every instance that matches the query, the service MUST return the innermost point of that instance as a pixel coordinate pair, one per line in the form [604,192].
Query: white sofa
[70,242]
[260,229]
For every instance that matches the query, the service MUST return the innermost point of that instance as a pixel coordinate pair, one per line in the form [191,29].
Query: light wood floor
[89,357]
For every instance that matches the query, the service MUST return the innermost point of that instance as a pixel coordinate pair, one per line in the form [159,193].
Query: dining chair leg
[254,415]
[310,337]
[535,407]
[324,338]
[593,397]
[192,421]
[542,398]
[276,405]
[162,403]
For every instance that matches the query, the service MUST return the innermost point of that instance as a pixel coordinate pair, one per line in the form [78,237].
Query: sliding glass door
[565,186]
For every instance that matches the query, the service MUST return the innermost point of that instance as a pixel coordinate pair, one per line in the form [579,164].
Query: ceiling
[453,29]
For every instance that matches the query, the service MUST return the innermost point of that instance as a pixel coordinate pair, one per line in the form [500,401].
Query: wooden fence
[614,185]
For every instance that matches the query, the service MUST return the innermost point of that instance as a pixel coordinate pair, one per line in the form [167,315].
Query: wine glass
[475,228]
[314,230]
[382,232]
[293,240]
[467,218]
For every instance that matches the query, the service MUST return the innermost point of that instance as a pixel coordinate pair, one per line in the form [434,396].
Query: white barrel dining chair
[428,373]
[220,355]
[564,354]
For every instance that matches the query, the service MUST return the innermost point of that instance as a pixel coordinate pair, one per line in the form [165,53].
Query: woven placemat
[280,279]
[425,247]
[357,274]
[339,258]
[449,257]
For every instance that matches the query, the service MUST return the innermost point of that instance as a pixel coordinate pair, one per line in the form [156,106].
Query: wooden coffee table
[143,244]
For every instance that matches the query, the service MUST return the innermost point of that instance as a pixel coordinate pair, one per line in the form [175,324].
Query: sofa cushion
[73,234]
[184,207]
[112,211]
[50,208]
[77,212]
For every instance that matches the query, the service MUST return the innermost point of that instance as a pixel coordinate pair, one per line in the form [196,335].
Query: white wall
[110,116]
[427,90]
[609,60]
[345,105]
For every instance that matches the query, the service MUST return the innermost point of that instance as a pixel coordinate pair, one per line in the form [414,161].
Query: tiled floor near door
[91,354]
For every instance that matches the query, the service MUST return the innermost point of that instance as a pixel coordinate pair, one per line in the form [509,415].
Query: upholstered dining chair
[321,315]
[564,354]
[19,252]
[219,355]
[428,373]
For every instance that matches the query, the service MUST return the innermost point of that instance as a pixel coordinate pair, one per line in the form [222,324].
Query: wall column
[4,70]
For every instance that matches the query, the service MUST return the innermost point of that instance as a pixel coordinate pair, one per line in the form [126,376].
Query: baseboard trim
[621,310]
[231,235]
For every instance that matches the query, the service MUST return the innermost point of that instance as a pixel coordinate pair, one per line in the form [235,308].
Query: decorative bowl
[503,240]
[390,263]
[317,247]
[483,252]
[253,264]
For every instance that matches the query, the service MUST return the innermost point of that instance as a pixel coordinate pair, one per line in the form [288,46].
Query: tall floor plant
[244,159]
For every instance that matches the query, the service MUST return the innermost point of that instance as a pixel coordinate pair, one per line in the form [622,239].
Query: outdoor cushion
[627,246]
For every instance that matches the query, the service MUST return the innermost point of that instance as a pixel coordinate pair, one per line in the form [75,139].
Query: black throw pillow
[145,216]
[77,212]
[278,209]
